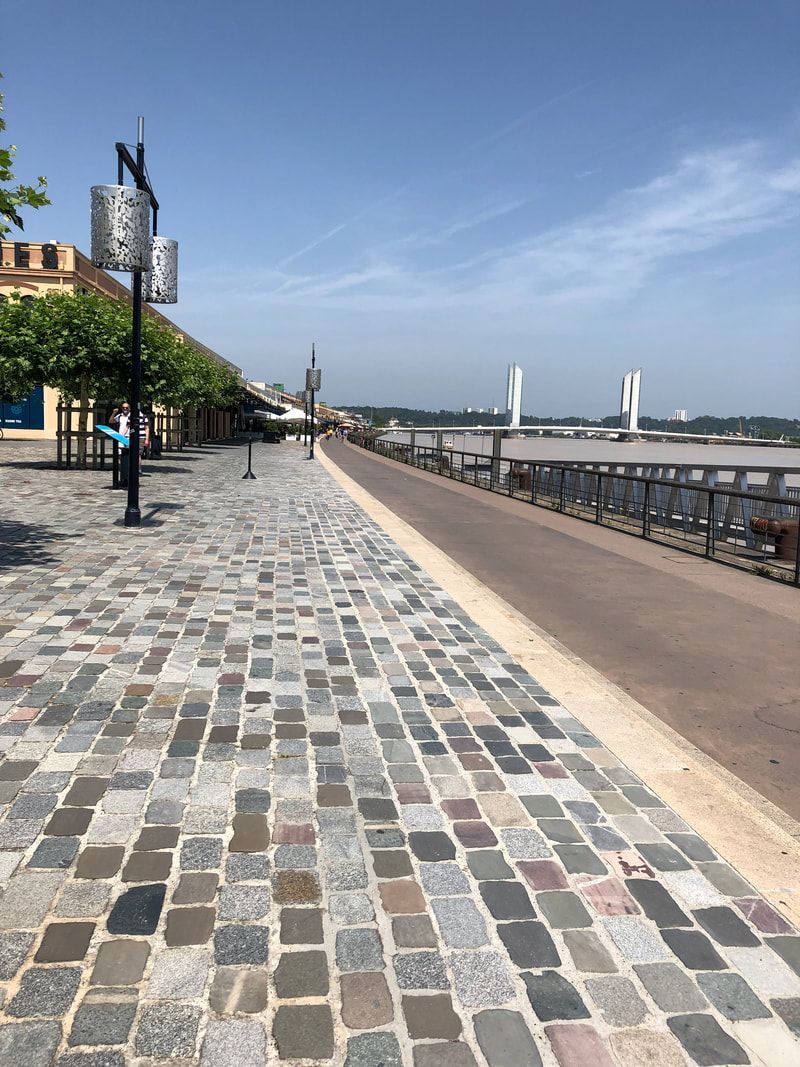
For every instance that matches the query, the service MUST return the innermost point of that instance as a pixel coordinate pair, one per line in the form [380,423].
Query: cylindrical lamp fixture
[161,281]
[120,228]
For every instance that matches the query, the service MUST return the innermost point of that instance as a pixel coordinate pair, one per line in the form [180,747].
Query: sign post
[313,383]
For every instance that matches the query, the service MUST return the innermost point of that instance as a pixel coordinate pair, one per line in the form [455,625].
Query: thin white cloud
[524,119]
[482,142]
[708,199]
[373,206]
[478,217]
[316,243]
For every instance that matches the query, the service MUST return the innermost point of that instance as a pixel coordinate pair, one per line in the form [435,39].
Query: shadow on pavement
[148,516]
[34,464]
[22,545]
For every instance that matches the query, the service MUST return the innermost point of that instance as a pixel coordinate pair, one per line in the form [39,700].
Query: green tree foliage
[14,196]
[20,355]
[80,344]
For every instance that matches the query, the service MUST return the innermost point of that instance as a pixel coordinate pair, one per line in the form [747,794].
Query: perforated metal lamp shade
[120,228]
[160,283]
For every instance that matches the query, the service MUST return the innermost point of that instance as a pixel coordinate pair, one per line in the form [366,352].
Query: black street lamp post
[122,240]
[133,515]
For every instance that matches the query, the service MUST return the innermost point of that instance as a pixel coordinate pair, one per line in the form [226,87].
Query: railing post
[710,522]
[510,478]
[598,509]
[646,510]
[797,553]
[533,482]
[497,453]
[561,490]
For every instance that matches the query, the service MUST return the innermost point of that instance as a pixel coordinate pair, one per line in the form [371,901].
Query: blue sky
[430,189]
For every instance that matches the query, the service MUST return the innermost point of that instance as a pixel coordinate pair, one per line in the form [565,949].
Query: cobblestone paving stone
[268,794]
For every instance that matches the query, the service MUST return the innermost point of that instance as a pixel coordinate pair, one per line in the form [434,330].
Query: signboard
[118,437]
[279,386]
[313,379]
[24,414]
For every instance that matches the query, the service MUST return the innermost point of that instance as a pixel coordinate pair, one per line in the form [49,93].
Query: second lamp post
[313,383]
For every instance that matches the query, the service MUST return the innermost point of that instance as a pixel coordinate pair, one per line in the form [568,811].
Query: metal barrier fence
[748,530]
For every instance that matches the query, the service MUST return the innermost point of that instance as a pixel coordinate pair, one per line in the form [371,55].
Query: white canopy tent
[294,415]
[290,415]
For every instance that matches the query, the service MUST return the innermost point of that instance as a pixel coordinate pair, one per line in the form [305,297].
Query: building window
[27,299]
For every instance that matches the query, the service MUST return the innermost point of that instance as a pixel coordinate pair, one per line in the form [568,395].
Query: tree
[82,341]
[14,196]
[21,355]
[80,344]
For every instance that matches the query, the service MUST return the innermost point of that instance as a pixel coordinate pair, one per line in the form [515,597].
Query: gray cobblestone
[278,666]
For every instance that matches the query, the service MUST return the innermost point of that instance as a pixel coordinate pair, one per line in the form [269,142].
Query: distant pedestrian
[123,427]
[125,421]
[121,419]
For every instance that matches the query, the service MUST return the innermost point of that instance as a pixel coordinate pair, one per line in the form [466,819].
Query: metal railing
[752,531]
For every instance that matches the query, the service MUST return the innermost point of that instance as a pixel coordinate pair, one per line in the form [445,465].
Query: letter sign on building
[49,257]
[22,254]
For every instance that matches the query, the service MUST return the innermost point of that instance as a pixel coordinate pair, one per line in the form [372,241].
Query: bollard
[249,472]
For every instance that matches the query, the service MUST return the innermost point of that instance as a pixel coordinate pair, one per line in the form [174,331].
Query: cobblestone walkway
[269,794]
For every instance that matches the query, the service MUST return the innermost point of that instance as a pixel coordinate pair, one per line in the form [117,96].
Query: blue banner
[25,414]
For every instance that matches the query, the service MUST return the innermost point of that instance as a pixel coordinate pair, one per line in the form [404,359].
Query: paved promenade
[709,650]
[269,795]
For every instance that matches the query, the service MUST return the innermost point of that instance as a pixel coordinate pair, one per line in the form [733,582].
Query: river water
[722,457]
